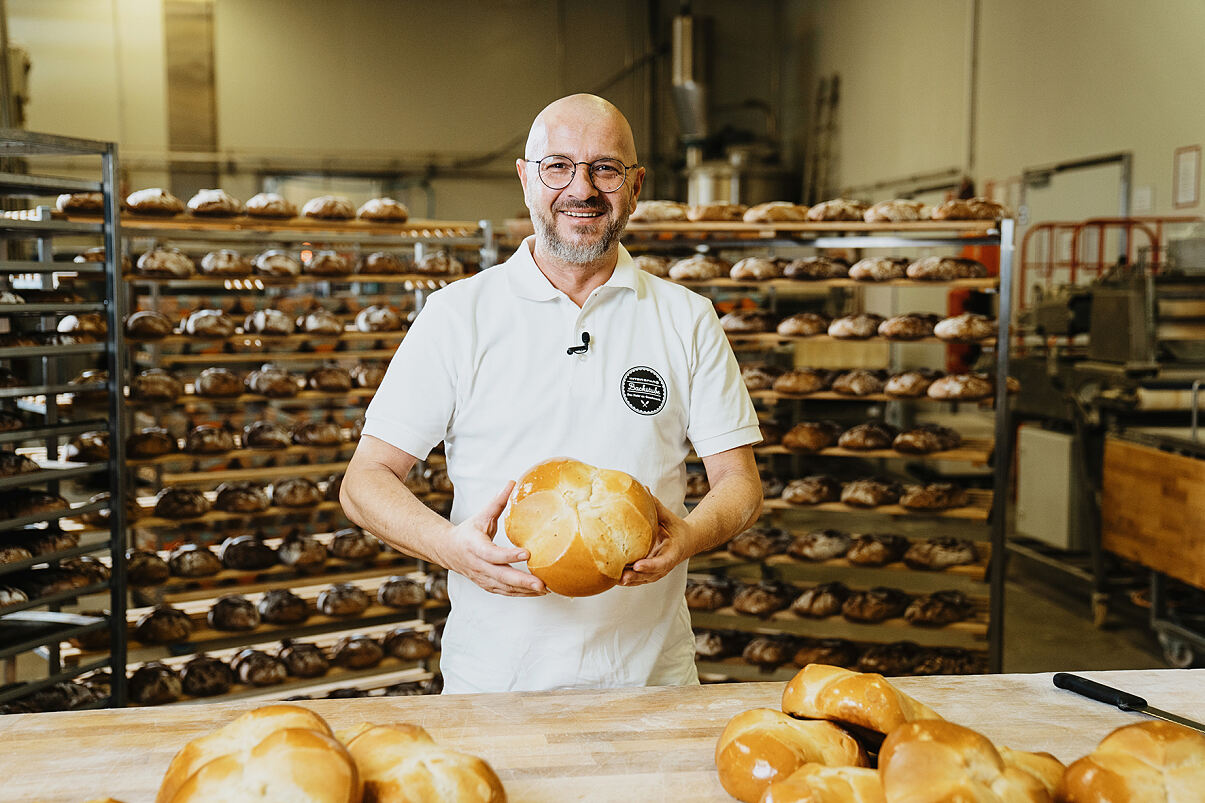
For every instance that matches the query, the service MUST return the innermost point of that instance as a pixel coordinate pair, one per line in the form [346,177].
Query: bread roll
[303,660]
[815,783]
[163,625]
[356,652]
[1139,762]
[269,205]
[580,524]
[938,760]
[154,684]
[400,763]
[867,700]
[761,746]
[329,207]
[233,612]
[205,676]
[383,209]
[302,552]
[658,211]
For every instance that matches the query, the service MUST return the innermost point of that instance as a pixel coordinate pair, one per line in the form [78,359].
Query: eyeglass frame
[573,175]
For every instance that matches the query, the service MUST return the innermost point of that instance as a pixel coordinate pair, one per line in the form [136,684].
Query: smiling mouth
[580,213]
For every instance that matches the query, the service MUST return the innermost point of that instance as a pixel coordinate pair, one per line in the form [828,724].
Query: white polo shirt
[484,369]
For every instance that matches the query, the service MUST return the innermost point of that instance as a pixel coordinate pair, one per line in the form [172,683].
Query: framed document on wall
[1186,176]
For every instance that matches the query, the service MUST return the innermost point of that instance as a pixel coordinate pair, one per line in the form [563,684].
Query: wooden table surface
[628,744]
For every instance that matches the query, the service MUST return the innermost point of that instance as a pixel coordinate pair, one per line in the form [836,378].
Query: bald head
[592,126]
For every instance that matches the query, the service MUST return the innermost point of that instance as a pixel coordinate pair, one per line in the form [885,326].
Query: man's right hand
[470,550]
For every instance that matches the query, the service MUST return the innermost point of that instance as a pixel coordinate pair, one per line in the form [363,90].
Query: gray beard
[565,251]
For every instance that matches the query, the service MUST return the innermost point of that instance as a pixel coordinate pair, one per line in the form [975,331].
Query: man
[566,349]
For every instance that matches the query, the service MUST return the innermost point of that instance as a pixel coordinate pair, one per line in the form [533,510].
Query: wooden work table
[629,744]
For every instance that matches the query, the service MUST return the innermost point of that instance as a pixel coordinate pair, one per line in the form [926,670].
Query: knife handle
[1099,692]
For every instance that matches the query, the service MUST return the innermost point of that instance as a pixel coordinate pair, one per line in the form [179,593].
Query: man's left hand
[670,541]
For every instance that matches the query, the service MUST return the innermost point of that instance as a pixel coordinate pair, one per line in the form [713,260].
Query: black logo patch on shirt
[643,390]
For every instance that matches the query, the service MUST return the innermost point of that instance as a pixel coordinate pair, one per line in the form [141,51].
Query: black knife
[1123,700]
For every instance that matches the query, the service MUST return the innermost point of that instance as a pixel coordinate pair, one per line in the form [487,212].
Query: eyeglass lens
[557,172]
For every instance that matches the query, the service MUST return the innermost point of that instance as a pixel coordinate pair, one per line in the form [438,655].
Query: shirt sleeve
[721,413]
[415,402]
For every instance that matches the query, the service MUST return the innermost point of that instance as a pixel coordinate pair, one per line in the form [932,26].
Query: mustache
[581,206]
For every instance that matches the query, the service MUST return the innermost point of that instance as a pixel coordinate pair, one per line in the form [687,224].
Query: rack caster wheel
[1178,653]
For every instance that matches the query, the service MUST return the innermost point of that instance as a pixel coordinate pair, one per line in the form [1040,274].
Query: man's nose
[581,187]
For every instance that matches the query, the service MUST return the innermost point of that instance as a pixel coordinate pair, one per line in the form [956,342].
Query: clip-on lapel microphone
[582,348]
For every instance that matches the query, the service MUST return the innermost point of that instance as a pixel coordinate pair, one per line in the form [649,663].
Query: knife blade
[1123,700]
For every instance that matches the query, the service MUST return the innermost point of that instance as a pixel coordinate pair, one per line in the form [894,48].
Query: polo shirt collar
[528,281]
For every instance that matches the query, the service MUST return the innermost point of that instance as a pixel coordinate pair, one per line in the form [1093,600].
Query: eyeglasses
[557,172]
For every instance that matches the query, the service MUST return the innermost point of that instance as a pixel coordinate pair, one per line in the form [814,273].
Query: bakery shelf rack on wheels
[56,533]
[245,408]
[790,613]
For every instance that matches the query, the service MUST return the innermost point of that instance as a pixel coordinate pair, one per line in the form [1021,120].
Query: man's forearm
[731,506]
[379,502]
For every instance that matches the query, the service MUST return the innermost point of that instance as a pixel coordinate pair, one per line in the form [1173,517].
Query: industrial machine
[1112,375]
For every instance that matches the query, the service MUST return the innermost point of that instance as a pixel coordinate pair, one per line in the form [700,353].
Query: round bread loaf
[367,374]
[12,464]
[383,209]
[436,586]
[401,592]
[330,378]
[317,433]
[269,322]
[356,652]
[937,760]
[272,381]
[408,644]
[209,439]
[939,608]
[933,496]
[811,436]
[746,321]
[832,651]
[935,554]
[218,383]
[214,203]
[803,324]
[206,676]
[154,684]
[280,606]
[163,625]
[276,263]
[812,490]
[266,435]
[181,503]
[154,201]
[867,436]
[193,560]
[713,593]
[838,209]
[875,605]
[758,543]
[581,525]
[912,326]
[327,263]
[343,599]
[382,263]
[716,210]
[966,328]
[246,553]
[821,601]
[438,262]
[819,545]
[302,659]
[965,387]
[876,550]
[258,668]
[894,659]
[910,384]
[329,207]
[144,568]
[270,205]
[717,644]
[926,439]
[810,269]
[148,325]
[859,382]
[870,492]
[658,211]
[302,552]
[758,376]
[209,323]
[763,598]
[899,210]
[761,746]
[88,447]
[867,700]
[755,269]
[768,652]
[878,269]
[378,318]
[352,543]
[804,381]
[225,262]
[241,497]
[319,321]
[699,267]
[855,327]
[166,263]
[776,212]
[652,264]
[81,203]
[233,612]
[295,492]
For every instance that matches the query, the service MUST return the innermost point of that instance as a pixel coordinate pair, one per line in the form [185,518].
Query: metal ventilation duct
[689,78]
